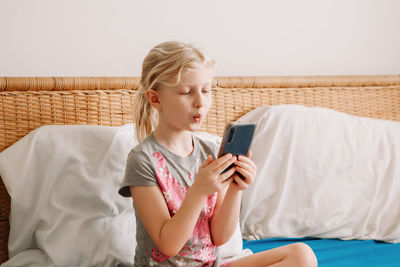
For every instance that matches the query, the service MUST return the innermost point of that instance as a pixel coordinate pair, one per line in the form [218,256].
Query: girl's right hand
[210,178]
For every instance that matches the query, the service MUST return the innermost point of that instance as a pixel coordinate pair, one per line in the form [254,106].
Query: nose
[198,100]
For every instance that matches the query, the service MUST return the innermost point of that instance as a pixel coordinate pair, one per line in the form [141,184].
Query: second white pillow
[322,173]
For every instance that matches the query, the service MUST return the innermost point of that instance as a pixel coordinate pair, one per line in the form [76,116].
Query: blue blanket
[339,253]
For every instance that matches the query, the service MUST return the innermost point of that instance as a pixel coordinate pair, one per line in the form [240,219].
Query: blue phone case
[237,140]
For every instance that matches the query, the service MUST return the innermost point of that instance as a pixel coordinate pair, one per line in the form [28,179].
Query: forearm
[176,231]
[170,233]
[224,221]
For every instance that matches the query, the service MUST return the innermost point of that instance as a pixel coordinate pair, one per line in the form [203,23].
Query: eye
[185,92]
[206,90]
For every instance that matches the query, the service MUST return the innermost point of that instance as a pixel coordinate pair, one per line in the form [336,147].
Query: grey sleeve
[138,172]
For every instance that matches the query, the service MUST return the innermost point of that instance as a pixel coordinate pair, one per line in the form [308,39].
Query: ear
[154,98]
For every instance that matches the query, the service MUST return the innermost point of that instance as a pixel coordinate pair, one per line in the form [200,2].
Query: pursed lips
[197,117]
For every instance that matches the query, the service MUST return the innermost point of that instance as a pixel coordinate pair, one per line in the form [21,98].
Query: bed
[27,103]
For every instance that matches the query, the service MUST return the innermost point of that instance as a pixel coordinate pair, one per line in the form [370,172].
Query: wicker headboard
[27,103]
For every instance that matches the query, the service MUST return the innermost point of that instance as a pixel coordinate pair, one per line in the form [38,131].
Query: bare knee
[302,255]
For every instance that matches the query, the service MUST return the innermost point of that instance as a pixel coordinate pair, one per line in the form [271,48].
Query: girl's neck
[178,142]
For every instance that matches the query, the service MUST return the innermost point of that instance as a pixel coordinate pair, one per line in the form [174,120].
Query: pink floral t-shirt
[150,164]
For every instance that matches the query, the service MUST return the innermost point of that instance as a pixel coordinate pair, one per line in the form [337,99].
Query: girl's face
[185,106]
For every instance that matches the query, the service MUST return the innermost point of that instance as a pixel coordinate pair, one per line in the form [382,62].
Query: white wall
[248,37]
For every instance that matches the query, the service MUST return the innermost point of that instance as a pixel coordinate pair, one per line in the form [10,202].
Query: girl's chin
[194,127]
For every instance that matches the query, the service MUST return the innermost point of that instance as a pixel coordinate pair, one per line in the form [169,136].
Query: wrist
[234,188]
[196,191]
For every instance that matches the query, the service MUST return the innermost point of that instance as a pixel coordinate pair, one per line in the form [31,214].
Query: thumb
[208,160]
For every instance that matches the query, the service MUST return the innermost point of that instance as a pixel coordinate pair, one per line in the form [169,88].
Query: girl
[185,208]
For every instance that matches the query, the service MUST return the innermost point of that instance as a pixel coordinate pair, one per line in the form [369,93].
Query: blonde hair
[163,65]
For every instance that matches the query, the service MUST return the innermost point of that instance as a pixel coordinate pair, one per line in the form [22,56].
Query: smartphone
[237,140]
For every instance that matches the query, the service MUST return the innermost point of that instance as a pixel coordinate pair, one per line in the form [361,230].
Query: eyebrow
[190,85]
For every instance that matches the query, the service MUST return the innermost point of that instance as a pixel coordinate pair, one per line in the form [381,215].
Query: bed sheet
[339,253]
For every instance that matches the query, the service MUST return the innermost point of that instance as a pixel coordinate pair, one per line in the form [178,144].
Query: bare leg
[297,254]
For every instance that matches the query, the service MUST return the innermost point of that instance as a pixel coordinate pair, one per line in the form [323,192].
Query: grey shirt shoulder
[140,165]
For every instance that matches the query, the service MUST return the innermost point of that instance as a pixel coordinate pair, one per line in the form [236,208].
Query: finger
[225,165]
[247,175]
[242,158]
[249,154]
[221,160]
[247,166]
[224,176]
[229,180]
[224,158]
[240,182]
[208,160]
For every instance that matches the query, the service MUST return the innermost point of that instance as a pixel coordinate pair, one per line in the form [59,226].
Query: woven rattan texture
[28,103]
[23,111]
[67,83]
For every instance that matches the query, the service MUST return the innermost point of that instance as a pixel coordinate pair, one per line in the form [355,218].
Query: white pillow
[65,207]
[322,173]
[63,182]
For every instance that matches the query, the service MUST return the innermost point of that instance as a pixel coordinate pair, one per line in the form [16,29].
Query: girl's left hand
[246,167]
